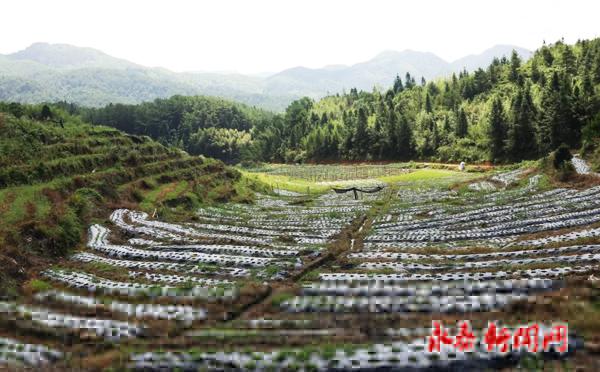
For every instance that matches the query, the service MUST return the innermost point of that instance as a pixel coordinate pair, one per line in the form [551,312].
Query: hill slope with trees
[507,112]
[510,111]
[200,125]
[57,174]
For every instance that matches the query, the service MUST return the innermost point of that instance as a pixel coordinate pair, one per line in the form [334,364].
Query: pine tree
[515,65]
[497,130]
[409,81]
[428,105]
[535,71]
[404,138]
[46,113]
[462,125]
[520,142]
[361,136]
[398,87]
[567,59]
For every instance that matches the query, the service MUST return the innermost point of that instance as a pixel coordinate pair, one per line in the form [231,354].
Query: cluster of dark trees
[200,125]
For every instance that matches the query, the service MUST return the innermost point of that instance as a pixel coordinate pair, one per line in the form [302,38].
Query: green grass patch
[37,285]
[431,177]
[298,185]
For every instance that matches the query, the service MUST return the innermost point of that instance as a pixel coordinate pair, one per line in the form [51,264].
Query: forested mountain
[58,72]
[380,71]
[474,61]
[507,112]
[54,72]
[64,56]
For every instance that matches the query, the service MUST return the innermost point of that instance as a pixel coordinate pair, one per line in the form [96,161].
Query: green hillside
[57,174]
[510,111]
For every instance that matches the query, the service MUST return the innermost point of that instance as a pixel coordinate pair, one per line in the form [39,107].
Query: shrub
[561,155]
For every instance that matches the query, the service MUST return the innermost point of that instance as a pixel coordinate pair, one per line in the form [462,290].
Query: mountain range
[50,72]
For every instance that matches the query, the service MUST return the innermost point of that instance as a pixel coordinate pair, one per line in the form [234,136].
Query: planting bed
[319,282]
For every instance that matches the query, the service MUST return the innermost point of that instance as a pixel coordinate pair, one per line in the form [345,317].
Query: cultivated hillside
[57,174]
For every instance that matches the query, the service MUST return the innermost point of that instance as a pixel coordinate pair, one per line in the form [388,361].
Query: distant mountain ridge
[65,56]
[52,72]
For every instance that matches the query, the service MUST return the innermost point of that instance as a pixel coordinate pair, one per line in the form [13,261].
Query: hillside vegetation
[510,111]
[200,125]
[58,173]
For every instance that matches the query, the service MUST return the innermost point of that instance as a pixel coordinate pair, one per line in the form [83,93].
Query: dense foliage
[507,112]
[199,125]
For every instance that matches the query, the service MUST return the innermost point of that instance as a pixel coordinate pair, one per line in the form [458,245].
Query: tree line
[510,111]
[200,125]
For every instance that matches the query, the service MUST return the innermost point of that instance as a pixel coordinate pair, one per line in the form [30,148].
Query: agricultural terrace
[308,279]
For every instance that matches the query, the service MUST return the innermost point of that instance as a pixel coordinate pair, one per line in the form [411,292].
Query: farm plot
[298,282]
[139,277]
[442,254]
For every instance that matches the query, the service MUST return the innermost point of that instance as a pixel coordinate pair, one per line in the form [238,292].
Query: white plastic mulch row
[158,265]
[155,311]
[107,328]
[583,234]
[385,304]
[383,288]
[474,256]
[15,352]
[554,201]
[178,279]
[93,284]
[581,166]
[488,275]
[382,297]
[399,266]
[410,356]
[98,240]
[228,249]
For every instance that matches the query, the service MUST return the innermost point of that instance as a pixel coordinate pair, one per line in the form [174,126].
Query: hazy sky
[269,35]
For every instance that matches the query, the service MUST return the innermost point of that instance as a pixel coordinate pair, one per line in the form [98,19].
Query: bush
[558,164]
[561,155]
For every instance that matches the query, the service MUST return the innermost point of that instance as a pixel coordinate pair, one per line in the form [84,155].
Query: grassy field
[431,177]
[316,179]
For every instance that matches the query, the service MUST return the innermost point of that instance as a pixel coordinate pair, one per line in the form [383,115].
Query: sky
[254,36]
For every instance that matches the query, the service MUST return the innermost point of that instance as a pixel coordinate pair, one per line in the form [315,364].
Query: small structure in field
[356,190]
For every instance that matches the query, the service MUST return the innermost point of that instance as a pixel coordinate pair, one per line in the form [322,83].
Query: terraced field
[56,177]
[323,281]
